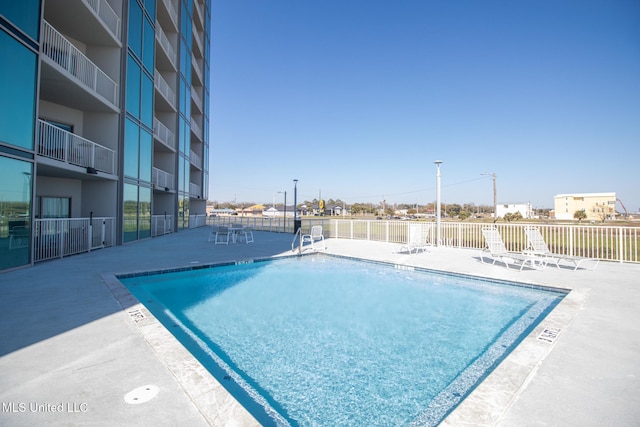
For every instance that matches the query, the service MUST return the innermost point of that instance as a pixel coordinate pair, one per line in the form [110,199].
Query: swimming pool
[320,340]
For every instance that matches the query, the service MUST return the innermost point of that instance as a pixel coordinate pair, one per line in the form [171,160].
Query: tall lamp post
[285,209]
[295,205]
[438,163]
[495,196]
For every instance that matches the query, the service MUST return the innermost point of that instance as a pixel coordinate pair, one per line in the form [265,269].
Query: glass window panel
[133,87]
[55,207]
[131,149]
[17,83]
[147,101]
[150,7]
[130,214]
[144,213]
[24,14]
[149,45]
[146,151]
[135,28]
[15,212]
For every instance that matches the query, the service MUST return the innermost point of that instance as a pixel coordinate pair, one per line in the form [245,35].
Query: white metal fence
[59,237]
[606,242]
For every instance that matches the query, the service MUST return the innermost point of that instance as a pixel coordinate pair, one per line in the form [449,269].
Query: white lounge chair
[498,251]
[536,245]
[314,236]
[417,239]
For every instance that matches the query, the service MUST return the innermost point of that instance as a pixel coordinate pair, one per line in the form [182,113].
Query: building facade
[596,206]
[104,123]
[525,209]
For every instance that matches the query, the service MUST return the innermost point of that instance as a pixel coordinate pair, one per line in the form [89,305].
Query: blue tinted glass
[147,101]
[149,45]
[24,14]
[146,150]
[150,7]
[130,213]
[131,147]
[133,87]
[17,83]
[15,221]
[135,28]
[144,213]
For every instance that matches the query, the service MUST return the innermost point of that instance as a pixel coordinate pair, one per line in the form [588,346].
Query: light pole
[295,205]
[438,163]
[495,196]
[285,209]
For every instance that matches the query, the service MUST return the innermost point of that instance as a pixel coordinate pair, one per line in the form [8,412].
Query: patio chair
[538,246]
[498,251]
[222,236]
[314,236]
[246,235]
[417,240]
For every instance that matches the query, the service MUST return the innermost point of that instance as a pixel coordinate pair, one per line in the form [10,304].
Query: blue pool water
[320,340]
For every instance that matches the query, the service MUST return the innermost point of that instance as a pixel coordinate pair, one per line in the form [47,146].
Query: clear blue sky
[357,98]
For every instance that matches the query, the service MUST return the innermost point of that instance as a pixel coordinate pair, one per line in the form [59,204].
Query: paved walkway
[75,348]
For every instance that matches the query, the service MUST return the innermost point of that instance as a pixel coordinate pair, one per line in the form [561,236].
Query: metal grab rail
[293,242]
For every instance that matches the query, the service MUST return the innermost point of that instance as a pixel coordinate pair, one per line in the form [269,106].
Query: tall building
[596,206]
[104,123]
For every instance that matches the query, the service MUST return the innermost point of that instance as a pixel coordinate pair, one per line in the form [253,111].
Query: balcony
[168,61]
[72,79]
[72,149]
[92,22]
[196,129]
[195,159]
[165,90]
[195,190]
[163,135]
[163,180]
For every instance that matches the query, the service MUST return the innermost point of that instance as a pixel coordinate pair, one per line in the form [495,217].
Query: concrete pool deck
[73,344]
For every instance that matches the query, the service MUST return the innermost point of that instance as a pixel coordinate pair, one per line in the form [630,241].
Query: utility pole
[495,196]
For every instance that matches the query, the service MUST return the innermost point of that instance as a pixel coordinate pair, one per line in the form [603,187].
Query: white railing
[161,224]
[195,190]
[197,67]
[195,159]
[196,98]
[164,88]
[199,220]
[163,134]
[59,237]
[106,14]
[166,44]
[196,129]
[67,147]
[606,242]
[56,47]
[162,179]
[173,12]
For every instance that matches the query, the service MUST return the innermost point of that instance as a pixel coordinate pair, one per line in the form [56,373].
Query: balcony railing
[163,134]
[196,129]
[56,47]
[163,179]
[64,146]
[106,14]
[195,190]
[166,44]
[56,238]
[161,224]
[195,159]
[197,99]
[164,88]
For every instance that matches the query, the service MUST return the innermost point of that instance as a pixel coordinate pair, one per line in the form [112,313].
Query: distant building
[597,206]
[525,209]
